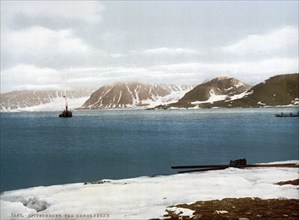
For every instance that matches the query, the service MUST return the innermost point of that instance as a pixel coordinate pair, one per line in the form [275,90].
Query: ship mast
[66,104]
[66,113]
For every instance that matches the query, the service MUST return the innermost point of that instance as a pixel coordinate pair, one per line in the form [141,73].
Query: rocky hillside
[135,94]
[42,100]
[280,90]
[220,88]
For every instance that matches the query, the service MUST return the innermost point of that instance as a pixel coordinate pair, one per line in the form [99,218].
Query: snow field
[149,197]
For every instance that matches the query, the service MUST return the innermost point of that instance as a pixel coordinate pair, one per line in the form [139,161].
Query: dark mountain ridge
[279,90]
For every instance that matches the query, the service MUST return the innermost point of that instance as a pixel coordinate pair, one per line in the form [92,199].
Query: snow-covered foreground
[145,197]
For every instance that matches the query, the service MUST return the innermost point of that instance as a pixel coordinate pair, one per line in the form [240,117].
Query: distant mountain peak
[134,95]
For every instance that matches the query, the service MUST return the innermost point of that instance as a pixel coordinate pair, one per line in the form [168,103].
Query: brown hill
[278,90]
[218,86]
[131,95]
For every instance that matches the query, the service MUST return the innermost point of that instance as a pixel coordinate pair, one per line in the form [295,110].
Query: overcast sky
[68,44]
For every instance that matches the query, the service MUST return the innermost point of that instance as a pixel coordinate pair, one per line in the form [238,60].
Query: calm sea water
[42,149]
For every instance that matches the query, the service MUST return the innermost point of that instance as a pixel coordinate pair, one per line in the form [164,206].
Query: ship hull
[66,114]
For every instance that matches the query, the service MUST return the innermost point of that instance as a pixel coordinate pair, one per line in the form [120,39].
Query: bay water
[40,149]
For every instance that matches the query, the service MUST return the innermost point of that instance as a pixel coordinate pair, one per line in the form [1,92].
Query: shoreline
[107,180]
[32,110]
[149,197]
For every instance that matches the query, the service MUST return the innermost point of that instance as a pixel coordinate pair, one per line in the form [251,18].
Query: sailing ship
[66,113]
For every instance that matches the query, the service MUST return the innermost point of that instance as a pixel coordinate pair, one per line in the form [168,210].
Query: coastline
[146,197]
[44,108]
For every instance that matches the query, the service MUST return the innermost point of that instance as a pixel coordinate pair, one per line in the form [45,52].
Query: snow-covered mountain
[135,95]
[51,100]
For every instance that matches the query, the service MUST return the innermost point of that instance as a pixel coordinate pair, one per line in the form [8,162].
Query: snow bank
[145,197]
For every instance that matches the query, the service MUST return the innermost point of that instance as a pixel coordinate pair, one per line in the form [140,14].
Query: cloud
[285,39]
[43,46]
[25,76]
[275,65]
[51,34]
[73,43]
[32,77]
[157,52]
[170,51]
[188,72]
[32,13]
[118,55]
[249,71]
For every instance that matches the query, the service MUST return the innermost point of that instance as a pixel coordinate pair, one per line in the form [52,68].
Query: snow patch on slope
[181,212]
[213,98]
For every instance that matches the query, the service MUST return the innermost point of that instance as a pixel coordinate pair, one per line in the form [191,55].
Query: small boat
[288,114]
[66,113]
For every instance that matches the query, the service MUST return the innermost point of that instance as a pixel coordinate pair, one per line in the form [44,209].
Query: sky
[87,44]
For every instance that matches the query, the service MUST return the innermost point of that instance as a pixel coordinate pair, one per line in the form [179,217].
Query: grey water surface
[39,148]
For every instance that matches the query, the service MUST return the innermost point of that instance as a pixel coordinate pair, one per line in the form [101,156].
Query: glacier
[56,104]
